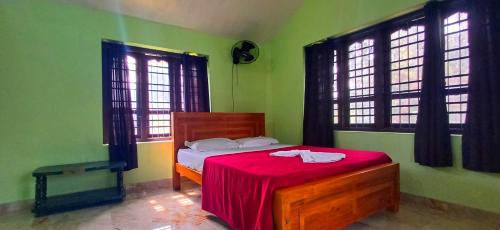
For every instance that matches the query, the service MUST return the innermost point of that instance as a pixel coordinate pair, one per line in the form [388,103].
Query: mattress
[194,159]
[238,188]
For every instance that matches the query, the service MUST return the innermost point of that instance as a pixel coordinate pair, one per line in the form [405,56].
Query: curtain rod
[370,24]
[191,53]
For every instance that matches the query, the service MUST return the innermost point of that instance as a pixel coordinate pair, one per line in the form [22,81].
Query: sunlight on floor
[177,196]
[167,227]
[192,193]
[185,202]
[159,208]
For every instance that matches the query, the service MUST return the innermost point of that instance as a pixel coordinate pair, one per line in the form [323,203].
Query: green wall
[50,90]
[50,93]
[318,19]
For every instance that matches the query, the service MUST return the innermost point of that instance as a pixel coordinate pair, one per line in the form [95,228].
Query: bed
[332,202]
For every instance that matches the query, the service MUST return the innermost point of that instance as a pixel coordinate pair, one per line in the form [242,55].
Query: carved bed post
[394,207]
[176,177]
[176,180]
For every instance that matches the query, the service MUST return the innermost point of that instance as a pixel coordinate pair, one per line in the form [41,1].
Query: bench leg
[119,183]
[40,194]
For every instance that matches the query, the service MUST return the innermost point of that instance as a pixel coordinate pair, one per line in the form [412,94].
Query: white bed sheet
[194,159]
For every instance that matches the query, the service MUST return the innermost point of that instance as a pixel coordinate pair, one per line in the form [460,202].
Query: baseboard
[134,191]
[143,189]
[446,207]
[149,188]
[15,206]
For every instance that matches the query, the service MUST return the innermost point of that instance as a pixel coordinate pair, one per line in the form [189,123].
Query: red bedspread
[238,188]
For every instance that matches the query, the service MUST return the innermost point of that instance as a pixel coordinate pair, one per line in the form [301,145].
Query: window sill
[373,131]
[155,141]
[388,132]
[169,140]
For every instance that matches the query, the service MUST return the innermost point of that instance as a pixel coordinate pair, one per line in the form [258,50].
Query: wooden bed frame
[330,203]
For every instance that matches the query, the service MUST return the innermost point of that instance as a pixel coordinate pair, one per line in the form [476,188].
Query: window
[158,110]
[335,90]
[456,41]
[183,95]
[407,50]
[150,93]
[377,72]
[361,83]
[157,82]
[132,77]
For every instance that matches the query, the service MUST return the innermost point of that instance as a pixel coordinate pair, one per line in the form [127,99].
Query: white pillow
[212,144]
[249,142]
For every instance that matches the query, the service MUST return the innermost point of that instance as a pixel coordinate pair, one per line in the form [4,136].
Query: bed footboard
[338,201]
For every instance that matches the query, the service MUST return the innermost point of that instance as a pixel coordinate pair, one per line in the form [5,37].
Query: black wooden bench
[46,205]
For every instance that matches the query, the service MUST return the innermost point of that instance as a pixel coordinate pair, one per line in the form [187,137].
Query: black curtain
[195,84]
[432,134]
[481,136]
[175,70]
[117,106]
[318,105]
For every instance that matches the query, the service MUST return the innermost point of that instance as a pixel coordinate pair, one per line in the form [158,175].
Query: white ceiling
[256,20]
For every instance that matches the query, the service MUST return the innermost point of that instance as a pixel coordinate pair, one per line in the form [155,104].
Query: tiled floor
[167,210]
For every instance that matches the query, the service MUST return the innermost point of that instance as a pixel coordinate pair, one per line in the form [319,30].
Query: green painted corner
[451,184]
[319,19]
[50,91]
[50,95]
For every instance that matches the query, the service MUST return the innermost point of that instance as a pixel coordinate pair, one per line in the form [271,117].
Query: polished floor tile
[168,210]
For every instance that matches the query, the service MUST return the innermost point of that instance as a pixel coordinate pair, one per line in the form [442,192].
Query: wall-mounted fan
[244,52]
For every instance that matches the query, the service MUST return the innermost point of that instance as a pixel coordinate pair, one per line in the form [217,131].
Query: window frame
[452,7]
[142,56]
[139,99]
[403,22]
[363,98]
[341,44]
[381,33]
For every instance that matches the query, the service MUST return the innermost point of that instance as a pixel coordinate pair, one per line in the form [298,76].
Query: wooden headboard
[189,126]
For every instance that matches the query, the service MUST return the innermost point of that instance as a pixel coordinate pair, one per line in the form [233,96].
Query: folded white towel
[321,157]
[289,153]
[310,157]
